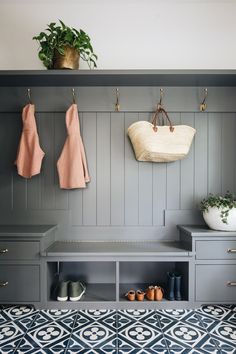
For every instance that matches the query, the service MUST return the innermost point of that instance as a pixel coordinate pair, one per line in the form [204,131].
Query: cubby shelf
[63,78]
[95,293]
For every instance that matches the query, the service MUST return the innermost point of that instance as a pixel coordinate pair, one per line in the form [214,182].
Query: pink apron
[72,165]
[30,155]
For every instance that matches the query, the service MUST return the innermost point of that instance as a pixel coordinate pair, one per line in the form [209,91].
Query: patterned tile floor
[209,329]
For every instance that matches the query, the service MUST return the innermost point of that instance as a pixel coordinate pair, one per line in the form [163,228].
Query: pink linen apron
[72,165]
[30,155]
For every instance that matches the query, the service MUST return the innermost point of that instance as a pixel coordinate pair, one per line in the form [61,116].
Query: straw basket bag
[160,143]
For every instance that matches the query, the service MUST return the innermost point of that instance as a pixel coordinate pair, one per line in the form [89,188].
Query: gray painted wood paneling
[187,169]
[159,193]
[214,152]
[89,194]
[173,176]
[117,168]
[61,195]
[228,151]
[200,157]
[48,166]
[125,199]
[103,169]
[131,177]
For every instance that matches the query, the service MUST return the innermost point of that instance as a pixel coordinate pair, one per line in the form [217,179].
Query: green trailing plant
[57,37]
[223,203]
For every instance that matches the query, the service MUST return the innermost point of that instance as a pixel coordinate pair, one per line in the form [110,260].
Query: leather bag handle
[156,118]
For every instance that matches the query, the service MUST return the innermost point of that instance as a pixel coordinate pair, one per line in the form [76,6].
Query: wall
[126,199]
[127,34]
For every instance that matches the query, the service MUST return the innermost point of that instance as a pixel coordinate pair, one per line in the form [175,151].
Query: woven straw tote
[160,143]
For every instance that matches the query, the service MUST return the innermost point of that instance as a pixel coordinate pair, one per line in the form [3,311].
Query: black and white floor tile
[210,329]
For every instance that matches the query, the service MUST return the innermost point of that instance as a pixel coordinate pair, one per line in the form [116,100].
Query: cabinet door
[216,282]
[22,250]
[216,249]
[19,283]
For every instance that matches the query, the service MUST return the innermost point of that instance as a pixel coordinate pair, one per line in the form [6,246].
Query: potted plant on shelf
[219,212]
[61,47]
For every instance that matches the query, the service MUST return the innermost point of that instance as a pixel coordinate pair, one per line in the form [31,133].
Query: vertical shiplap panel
[159,193]
[47,175]
[131,176]
[228,151]
[200,157]
[61,195]
[173,175]
[90,145]
[187,169]
[214,153]
[145,186]
[117,168]
[34,183]
[10,130]
[103,169]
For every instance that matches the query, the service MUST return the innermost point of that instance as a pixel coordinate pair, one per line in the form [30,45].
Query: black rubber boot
[170,286]
[178,278]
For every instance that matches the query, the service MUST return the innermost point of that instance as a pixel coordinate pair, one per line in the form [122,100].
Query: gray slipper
[62,294]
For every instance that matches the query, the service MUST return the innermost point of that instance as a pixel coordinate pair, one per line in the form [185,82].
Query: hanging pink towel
[30,155]
[72,165]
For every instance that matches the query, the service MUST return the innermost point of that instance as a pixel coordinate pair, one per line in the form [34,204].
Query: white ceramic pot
[213,219]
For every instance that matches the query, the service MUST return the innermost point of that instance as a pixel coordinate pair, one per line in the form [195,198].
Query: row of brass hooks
[202,106]
[30,100]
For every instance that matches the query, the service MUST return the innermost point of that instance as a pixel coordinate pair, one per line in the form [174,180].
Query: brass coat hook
[73,95]
[203,105]
[29,95]
[161,97]
[117,104]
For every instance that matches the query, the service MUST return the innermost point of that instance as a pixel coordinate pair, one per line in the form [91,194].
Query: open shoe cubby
[139,275]
[98,277]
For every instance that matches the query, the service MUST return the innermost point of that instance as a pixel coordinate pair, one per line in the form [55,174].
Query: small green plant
[57,37]
[224,203]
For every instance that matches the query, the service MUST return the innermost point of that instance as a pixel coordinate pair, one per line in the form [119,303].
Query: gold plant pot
[70,60]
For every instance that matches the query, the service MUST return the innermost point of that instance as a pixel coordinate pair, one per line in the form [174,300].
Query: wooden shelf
[73,78]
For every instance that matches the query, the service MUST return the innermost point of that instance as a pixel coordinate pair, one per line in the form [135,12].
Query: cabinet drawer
[14,250]
[216,249]
[211,282]
[22,283]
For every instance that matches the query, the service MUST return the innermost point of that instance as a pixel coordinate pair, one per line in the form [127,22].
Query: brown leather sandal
[130,295]
[159,293]
[140,295]
[150,293]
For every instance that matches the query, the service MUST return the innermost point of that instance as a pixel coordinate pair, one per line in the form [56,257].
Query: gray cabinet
[214,264]
[20,283]
[21,266]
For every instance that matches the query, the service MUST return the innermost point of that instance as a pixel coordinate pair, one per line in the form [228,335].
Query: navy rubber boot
[178,279]
[170,286]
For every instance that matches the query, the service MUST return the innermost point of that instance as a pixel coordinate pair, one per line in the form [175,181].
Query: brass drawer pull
[3,250]
[231,250]
[3,283]
[231,283]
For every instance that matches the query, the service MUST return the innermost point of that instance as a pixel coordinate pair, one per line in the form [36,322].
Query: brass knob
[231,283]
[231,250]
[3,250]
[3,283]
